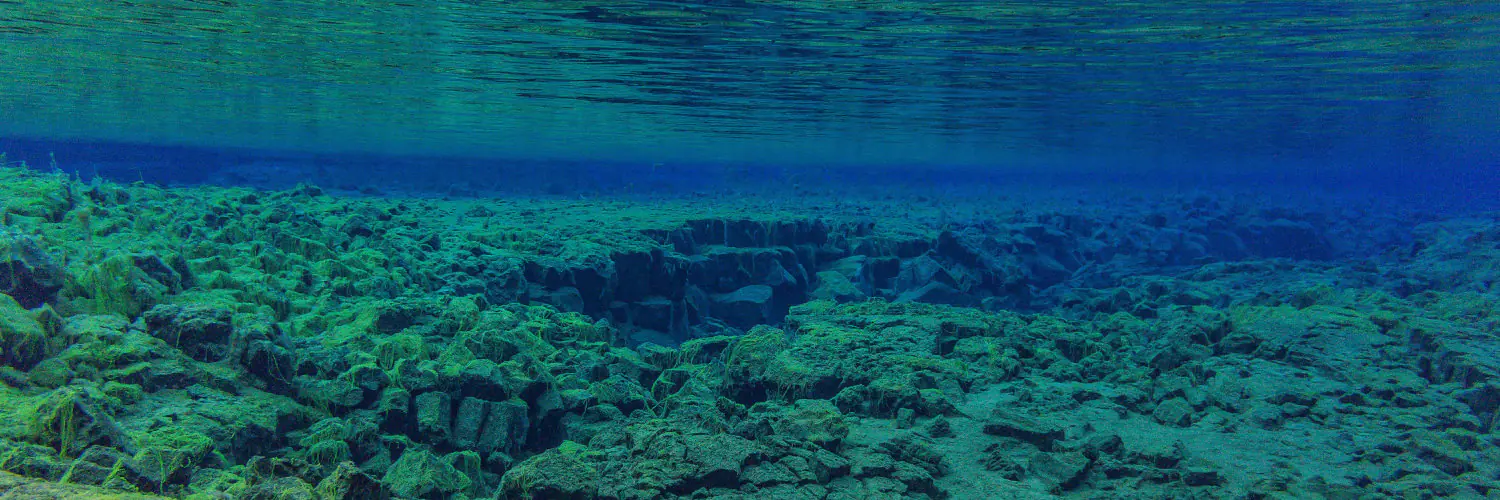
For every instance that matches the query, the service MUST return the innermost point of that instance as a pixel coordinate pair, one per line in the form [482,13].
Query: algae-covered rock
[23,340]
[1058,471]
[814,420]
[746,307]
[14,486]
[201,331]
[27,273]
[116,285]
[167,455]
[71,419]
[1007,423]
[419,472]
[564,472]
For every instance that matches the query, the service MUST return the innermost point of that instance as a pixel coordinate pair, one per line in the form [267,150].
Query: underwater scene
[749,249]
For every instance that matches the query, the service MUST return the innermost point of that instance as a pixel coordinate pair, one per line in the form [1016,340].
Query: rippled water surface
[842,81]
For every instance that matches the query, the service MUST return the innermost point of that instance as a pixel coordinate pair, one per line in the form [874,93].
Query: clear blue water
[750,249]
[1347,89]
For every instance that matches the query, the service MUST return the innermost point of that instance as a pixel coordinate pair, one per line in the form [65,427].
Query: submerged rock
[28,273]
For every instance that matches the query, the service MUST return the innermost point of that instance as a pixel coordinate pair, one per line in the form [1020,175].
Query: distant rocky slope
[248,344]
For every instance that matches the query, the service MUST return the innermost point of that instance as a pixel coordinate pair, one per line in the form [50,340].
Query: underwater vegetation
[233,343]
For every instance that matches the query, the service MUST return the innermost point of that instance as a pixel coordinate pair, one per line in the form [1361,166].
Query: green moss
[754,350]
[396,348]
[116,286]
[54,421]
[562,472]
[124,394]
[166,451]
[23,340]
[418,472]
[42,196]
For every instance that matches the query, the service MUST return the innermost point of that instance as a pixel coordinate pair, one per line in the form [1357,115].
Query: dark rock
[865,463]
[279,488]
[1200,474]
[837,287]
[506,428]
[905,418]
[923,271]
[157,269]
[1175,412]
[717,460]
[269,361]
[939,428]
[655,313]
[917,450]
[999,461]
[394,404]
[827,465]
[434,415]
[565,299]
[1059,471]
[744,308]
[27,272]
[24,341]
[1286,238]
[938,293]
[202,332]
[468,421]
[559,473]
[1013,425]
[419,472]
[1239,343]
[1104,444]
[1440,451]
[348,482]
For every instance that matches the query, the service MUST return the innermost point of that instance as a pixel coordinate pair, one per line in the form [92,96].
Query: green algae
[23,341]
[440,390]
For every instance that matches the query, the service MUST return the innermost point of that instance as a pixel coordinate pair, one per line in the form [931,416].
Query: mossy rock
[753,351]
[565,472]
[166,456]
[116,285]
[419,473]
[47,197]
[814,420]
[19,487]
[27,272]
[71,419]
[23,340]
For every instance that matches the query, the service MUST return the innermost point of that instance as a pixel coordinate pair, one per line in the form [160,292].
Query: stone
[1006,423]
[506,427]
[1200,473]
[1175,412]
[866,463]
[27,272]
[468,421]
[746,307]
[1439,451]
[23,340]
[434,415]
[905,418]
[419,472]
[201,331]
[717,460]
[1059,471]
[837,287]
[938,293]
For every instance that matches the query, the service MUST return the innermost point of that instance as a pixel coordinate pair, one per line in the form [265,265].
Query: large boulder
[27,273]
[749,306]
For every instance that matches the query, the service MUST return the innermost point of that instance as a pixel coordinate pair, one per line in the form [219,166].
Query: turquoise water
[745,249]
[995,84]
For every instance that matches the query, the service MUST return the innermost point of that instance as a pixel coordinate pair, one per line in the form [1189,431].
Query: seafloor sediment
[217,342]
